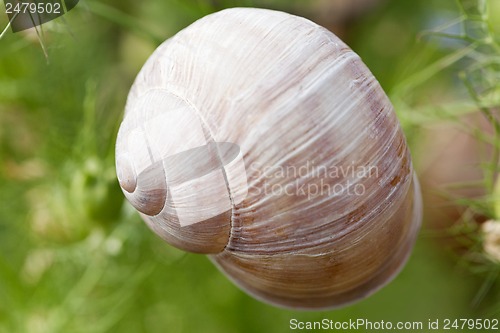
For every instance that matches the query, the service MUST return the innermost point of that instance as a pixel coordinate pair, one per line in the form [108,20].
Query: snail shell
[261,139]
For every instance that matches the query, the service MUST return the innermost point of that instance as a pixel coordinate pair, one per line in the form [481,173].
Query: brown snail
[261,139]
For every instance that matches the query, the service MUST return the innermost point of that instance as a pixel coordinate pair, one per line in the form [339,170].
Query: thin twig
[8,25]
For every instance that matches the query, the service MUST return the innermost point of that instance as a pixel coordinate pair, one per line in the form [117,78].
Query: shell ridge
[211,138]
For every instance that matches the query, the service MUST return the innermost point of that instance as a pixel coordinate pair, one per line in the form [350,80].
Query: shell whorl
[303,189]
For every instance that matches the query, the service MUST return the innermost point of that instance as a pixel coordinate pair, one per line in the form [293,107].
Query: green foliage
[75,258]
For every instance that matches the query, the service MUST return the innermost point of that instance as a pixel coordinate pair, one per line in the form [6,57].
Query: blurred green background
[75,258]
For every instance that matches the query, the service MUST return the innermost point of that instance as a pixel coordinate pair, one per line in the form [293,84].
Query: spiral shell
[261,139]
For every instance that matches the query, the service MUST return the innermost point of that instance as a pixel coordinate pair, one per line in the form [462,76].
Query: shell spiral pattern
[261,139]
